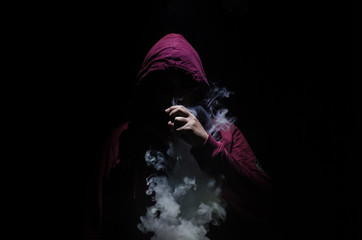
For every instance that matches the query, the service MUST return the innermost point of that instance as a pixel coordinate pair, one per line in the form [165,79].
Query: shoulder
[121,128]
[231,132]
[115,133]
[234,138]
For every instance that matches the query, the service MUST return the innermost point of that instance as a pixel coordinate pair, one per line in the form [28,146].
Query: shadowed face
[164,89]
[176,89]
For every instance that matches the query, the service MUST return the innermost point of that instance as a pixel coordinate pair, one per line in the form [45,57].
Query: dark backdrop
[70,66]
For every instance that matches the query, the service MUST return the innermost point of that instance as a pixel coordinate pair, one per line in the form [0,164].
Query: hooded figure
[170,82]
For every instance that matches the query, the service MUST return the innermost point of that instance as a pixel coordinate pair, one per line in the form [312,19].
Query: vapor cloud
[186,199]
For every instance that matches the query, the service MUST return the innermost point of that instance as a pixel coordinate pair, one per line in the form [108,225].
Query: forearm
[215,159]
[245,186]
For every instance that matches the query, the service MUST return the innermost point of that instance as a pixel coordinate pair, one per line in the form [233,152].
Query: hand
[187,125]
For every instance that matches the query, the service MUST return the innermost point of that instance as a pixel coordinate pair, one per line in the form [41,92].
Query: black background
[69,67]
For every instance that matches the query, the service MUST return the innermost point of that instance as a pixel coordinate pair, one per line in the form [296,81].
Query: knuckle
[181,108]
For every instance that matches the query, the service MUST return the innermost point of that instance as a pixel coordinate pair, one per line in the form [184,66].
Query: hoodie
[174,52]
[118,198]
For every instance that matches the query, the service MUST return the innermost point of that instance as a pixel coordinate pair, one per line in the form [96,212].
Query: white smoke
[220,120]
[187,200]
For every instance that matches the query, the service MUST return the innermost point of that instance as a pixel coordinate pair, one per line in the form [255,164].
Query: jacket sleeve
[246,187]
[91,219]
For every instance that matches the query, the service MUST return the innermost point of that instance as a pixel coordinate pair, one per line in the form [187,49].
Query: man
[170,84]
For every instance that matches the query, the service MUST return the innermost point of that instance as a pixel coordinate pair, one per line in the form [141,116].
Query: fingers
[177,108]
[180,118]
[178,122]
[185,124]
[183,129]
[177,111]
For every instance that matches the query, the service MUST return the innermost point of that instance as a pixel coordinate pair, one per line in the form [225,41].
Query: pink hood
[174,52]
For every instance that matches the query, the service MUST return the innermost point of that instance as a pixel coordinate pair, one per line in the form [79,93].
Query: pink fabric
[173,51]
[247,186]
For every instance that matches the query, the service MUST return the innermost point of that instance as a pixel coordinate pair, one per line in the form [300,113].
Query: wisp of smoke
[218,114]
[187,200]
